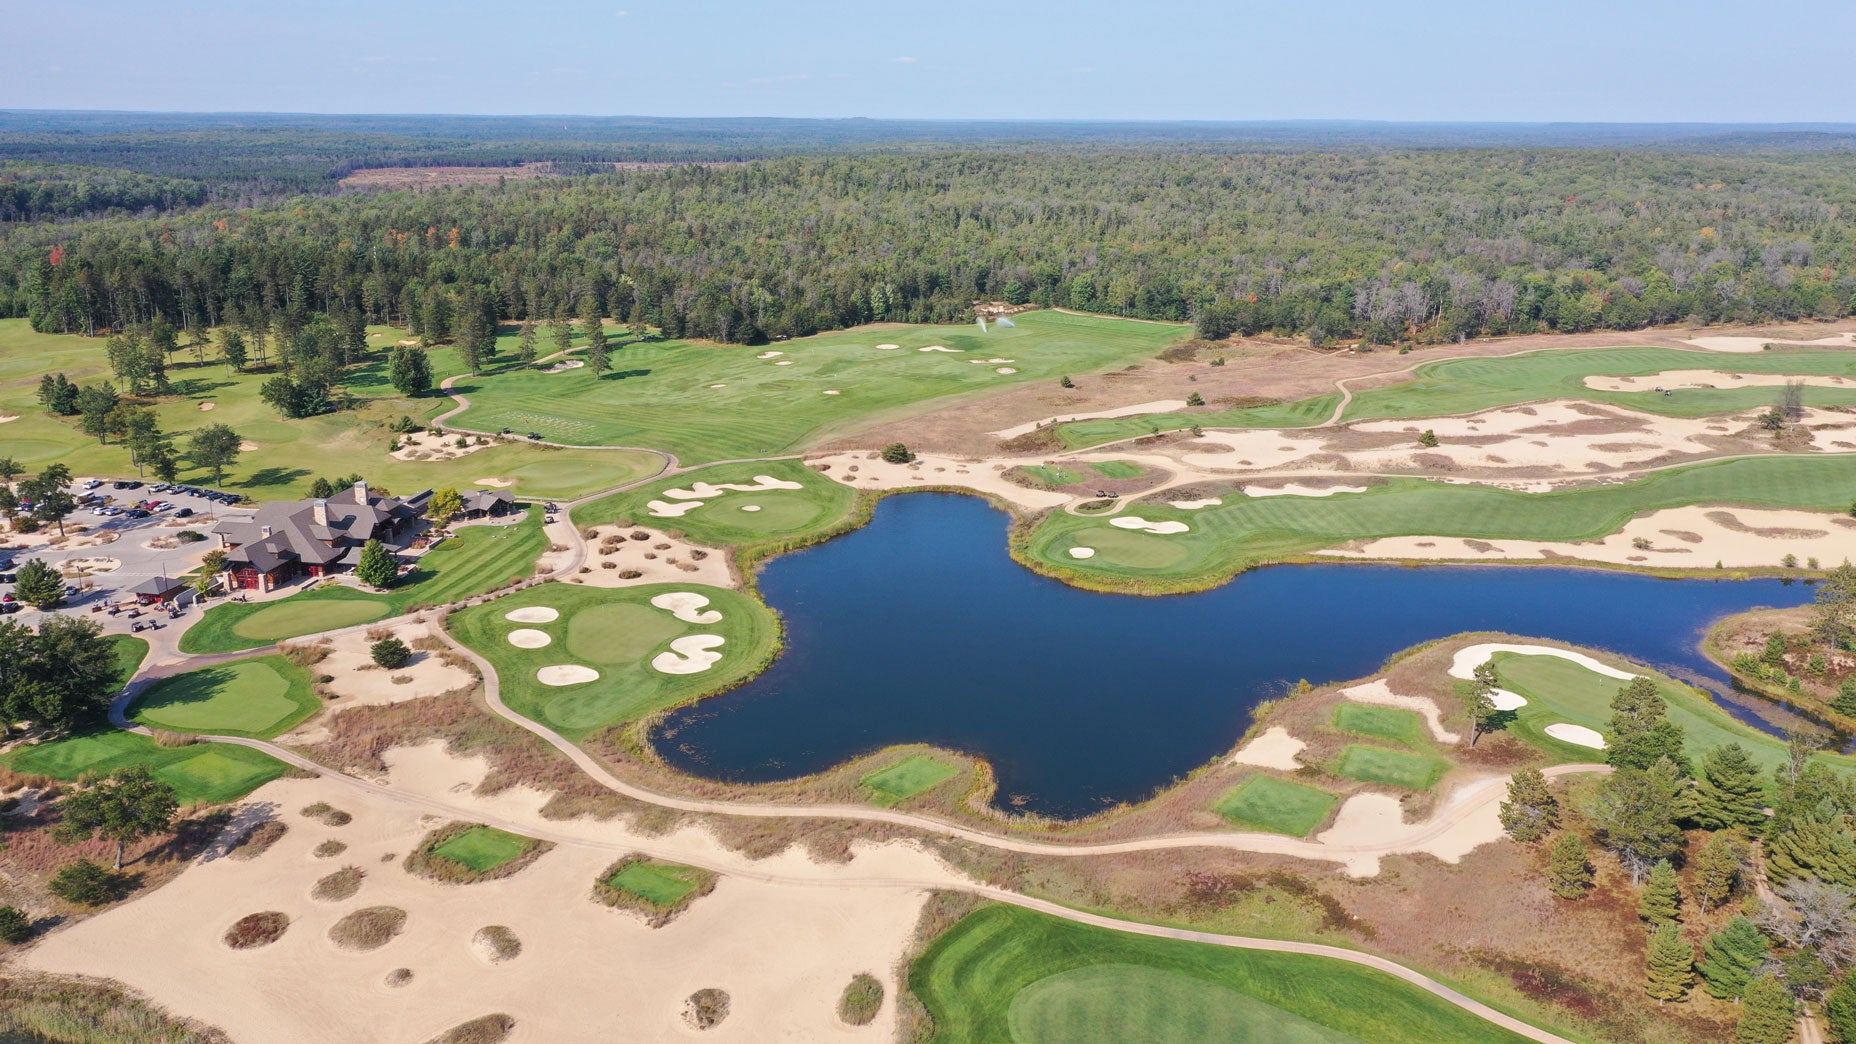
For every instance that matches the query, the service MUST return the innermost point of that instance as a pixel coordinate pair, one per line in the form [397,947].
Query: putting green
[660,884]
[484,848]
[1131,549]
[1112,1003]
[1391,767]
[783,514]
[902,781]
[1276,805]
[257,697]
[290,617]
[620,632]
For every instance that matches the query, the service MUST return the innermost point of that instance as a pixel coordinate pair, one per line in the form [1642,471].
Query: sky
[1423,60]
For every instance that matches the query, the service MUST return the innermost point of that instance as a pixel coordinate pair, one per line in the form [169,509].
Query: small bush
[398,977]
[254,930]
[88,884]
[639,534]
[629,574]
[342,884]
[1195,399]
[254,842]
[501,943]
[1065,382]
[368,928]
[305,655]
[15,926]
[327,814]
[486,1029]
[896,453]
[1428,439]
[190,536]
[330,849]
[862,999]
[390,653]
[706,1008]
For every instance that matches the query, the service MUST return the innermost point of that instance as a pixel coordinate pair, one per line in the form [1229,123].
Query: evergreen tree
[1768,1015]
[1569,874]
[1730,958]
[1660,900]
[321,489]
[525,346]
[1671,963]
[1845,702]
[562,333]
[1641,732]
[1816,845]
[1481,699]
[1531,811]
[1717,869]
[1636,812]
[1840,1009]
[232,349]
[1729,791]
[376,567]
[598,352]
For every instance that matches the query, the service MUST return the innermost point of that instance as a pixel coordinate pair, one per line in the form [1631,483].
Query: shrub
[1066,382]
[15,926]
[706,1008]
[485,1029]
[368,928]
[1790,561]
[896,453]
[327,814]
[1195,399]
[342,884]
[190,536]
[862,999]
[390,653]
[1428,439]
[254,930]
[254,842]
[499,942]
[88,884]
[398,977]
[1641,543]
[330,849]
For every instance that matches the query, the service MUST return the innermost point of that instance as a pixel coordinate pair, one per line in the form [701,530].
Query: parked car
[8,607]
[93,483]
[138,512]
[184,513]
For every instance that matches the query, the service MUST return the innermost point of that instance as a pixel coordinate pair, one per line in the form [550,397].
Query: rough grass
[1392,767]
[465,853]
[706,1008]
[657,889]
[330,849]
[340,885]
[37,1009]
[258,840]
[484,1029]
[1006,973]
[201,773]
[368,928]
[906,779]
[260,697]
[499,942]
[326,814]
[862,1000]
[254,930]
[1276,805]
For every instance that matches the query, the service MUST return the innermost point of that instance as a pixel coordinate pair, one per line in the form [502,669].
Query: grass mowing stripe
[1277,805]
[226,772]
[260,697]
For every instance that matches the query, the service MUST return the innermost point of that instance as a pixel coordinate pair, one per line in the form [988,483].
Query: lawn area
[659,884]
[663,394]
[130,652]
[483,848]
[477,559]
[1117,469]
[206,773]
[1276,805]
[1400,726]
[1559,690]
[616,632]
[1052,474]
[289,454]
[260,697]
[1394,768]
[906,779]
[777,515]
[1008,974]
[1246,531]
[1302,413]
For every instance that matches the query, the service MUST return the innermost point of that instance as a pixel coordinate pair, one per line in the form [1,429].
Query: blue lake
[920,628]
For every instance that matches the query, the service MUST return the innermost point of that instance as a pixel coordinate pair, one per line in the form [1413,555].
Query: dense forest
[1387,244]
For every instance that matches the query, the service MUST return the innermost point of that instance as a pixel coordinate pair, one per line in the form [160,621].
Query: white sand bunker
[1758,344]
[769,355]
[204,407]
[1137,522]
[564,365]
[690,654]
[1576,734]
[664,509]
[750,507]
[1082,552]
[1156,406]
[1293,489]
[937,348]
[1005,369]
[705,490]
[784,362]
[533,614]
[686,606]
[528,638]
[1467,659]
[1275,748]
[566,674]
[832,391]
[1378,692]
[718,385]
[1194,505]
[887,347]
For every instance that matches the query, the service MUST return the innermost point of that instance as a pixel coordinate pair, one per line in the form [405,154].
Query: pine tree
[1671,965]
[1660,901]
[1569,875]
[1636,812]
[1845,702]
[1817,845]
[1730,958]
[376,567]
[525,346]
[1531,811]
[563,333]
[1729,791]
[1840,1009]
[1717,869]
[1768,1015]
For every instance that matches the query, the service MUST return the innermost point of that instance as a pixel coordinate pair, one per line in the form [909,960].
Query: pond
[920,628]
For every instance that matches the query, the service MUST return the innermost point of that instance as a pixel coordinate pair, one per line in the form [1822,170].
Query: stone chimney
[360,493]
[319,510]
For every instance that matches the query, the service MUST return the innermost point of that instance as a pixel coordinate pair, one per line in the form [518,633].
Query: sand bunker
[784,362]
[1157,406]
[1576,734]
[831,391]
[666,510]
[1758,344]
[1137,522]
[204,407]
[690,654]
[564,365]
[1275,748]
[566,674]
[248,446]
[1293,489]
[718,385]
[435,446]
[769,355]
[1708,379]
[1082,552]
[533,614]
[1467,659]
[887,347]
[706,490]
[1005,369]
[1378,692]
[937,348]
[750,507]
[687,606]
[1194,505]
[866,470]
[494,480]
[528,638]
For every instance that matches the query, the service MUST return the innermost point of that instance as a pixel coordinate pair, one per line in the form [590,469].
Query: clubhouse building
[285,540]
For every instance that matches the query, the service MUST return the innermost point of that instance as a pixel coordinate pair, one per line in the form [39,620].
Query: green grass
[906,779]
[130,652]
[784,514]
[660,884]
[1391,723]
[1394,768]
[260,697]
[1008,974]
[483,848]
[1276,805]
[1052,474]
[1246,531]
[620,633]
[206,773]
[1117,469]
[477,559]
[1559,690]
[659,394]
[290,454]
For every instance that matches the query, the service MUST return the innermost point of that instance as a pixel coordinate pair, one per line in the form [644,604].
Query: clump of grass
[74,1009]
[399,977]
[327,814]
[305,655]
[330,849]
[498,942]
[254,930]
[368,928]
[342,884]
[485,1029]
[862,999]
[255,842]
[494,854]
[706,1008]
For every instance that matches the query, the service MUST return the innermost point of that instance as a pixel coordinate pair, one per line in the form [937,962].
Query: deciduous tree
[127,805]
[215,448]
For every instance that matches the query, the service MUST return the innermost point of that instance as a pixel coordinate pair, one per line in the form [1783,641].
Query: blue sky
[1586,60]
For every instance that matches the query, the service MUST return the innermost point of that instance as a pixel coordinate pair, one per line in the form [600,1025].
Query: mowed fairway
[660,393]
[1007,974]
[483,848]
[906,779]
[259,697]
[1247,531]
[617,633]
[732,517]
[205,773]
[1276,805]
